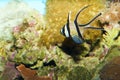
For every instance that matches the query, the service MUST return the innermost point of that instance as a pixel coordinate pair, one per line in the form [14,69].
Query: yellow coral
[2,49]
[109,38]
[57,11]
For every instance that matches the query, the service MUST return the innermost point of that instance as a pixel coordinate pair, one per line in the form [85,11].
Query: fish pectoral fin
[77,39]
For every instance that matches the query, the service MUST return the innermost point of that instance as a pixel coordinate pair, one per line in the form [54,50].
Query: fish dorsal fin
[76,23]
[68,25]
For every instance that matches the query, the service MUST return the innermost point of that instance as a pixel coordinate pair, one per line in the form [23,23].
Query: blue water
[37,4]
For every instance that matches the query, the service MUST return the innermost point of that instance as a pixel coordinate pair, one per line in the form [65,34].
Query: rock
[111,71]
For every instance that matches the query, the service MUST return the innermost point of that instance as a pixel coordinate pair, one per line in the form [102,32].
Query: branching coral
[109,39]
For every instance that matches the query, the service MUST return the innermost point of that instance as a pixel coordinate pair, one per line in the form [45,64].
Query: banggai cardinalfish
[74,30]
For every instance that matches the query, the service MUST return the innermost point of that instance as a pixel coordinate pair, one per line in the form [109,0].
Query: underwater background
[32,47]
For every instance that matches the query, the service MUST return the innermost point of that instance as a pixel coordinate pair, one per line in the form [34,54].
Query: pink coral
[111,15]
[16,29]
[31,23]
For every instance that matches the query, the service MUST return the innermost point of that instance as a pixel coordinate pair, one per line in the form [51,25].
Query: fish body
[71,32]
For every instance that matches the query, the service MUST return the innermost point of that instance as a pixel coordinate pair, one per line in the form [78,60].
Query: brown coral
[29,74]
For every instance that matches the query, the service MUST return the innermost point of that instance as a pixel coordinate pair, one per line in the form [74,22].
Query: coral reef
[37,50]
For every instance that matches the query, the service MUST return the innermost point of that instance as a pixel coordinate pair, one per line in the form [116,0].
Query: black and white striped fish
[74,30]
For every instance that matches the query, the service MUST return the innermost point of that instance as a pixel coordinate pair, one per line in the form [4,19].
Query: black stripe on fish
[68,29]
[63,31]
